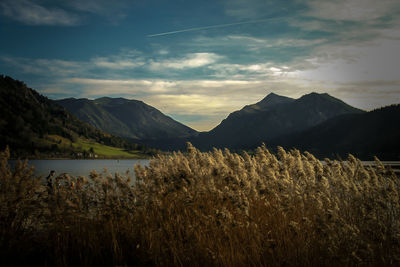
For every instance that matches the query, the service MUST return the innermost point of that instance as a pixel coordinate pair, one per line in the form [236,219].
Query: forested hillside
[34,126]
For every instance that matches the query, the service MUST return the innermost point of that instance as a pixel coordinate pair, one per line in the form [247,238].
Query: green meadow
[81,145]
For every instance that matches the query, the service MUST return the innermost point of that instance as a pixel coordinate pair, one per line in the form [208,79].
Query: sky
[198,61]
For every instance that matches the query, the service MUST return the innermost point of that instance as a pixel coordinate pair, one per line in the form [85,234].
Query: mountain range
[272,117]
[319,123]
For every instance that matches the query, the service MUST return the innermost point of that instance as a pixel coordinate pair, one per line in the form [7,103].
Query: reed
[206,208]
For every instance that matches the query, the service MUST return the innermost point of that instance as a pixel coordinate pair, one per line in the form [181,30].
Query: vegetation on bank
[89,149]
[205,209]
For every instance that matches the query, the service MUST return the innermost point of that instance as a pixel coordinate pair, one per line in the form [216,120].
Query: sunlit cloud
[254,44]
[148,86]
[250,72]
[213,108]
[275,42]
[194,60]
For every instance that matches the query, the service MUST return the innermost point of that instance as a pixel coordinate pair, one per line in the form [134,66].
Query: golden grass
[206,209]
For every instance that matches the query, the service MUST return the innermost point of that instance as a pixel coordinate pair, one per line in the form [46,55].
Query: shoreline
[137,158]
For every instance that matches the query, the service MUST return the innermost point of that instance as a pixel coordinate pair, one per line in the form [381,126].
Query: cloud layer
[60,13]
[348,48]
[31,13]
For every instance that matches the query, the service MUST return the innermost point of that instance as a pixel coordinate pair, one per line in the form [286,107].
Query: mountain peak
[116,101]
[110,101]
[319,98]
[273,99]
[272,94]
[326,102]
[107,98]
[267,102]
[315,95]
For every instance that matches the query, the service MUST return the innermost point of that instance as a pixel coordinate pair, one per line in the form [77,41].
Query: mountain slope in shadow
[272,117]
[375,133]
[126,118]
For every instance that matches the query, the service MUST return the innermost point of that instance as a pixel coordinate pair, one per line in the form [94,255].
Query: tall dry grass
[213,209]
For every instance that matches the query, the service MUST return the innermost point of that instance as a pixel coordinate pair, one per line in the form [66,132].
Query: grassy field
[101,150]
[205,209]
[106,151]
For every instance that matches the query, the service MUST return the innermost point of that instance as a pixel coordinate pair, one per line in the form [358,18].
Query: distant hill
[33,125]
[272,117]
[376,133]
[126,118]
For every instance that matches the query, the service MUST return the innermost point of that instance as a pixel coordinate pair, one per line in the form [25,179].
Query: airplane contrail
[211,27]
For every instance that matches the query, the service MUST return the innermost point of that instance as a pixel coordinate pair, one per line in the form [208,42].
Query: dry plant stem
[206,209]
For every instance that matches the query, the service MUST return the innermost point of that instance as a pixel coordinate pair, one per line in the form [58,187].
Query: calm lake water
[83,167]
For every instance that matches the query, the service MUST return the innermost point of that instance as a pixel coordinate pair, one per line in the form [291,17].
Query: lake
[83,167]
